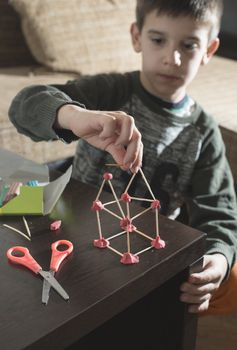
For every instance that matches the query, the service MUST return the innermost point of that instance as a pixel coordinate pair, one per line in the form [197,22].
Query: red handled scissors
[56,259]
[28,261]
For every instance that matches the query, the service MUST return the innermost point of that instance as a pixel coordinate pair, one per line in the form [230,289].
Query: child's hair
[209,11]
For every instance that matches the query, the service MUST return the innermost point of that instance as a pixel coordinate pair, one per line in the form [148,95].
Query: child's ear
[213,46]
[135,36]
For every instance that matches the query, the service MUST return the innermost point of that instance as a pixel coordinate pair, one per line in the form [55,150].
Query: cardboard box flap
[54,189]
[38,200]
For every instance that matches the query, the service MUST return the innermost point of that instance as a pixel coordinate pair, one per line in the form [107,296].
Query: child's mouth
[169,77]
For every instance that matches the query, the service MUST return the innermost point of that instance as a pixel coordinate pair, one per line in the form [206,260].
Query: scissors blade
[46,289]
[53,283]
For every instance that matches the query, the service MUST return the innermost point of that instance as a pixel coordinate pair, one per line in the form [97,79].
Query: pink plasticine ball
[155,204]
[107,176]
[101,243]
[158,243]
[97,205]
[125,222]
[129,258]
[125,197]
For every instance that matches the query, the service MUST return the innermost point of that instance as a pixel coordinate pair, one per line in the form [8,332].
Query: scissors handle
[59,255]
[24,258]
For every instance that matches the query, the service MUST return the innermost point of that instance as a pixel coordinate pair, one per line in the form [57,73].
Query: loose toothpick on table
[26,226]
[18,231]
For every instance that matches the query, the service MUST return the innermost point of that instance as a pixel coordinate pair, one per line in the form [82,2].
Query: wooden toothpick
[116,198]
[113,164]
[114,250]
[18,231]
[141,213]
[98,222]
[147,184]
[157,222]
[129,184]
[143,234]
[100,190]
[110,212]
[26,226]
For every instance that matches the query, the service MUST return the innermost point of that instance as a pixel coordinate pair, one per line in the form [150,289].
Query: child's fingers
[129,138]
[108,124]
[125,126]
[206,276]
[117,123]
[197,308]
[130,158]
[134,153]
[197,289]
[200,287]
[195,299]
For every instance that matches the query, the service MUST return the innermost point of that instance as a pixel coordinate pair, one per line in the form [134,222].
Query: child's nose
[172,57]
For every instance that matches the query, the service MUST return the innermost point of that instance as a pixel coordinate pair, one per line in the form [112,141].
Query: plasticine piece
[101,243]
[55,225]
[131,228]
[155,204]
[108,176]
[126,224]
[125,197]
[129,258]
[97,205]
[158,243]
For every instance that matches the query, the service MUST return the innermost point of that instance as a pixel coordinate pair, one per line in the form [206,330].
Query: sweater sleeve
[34,109]
[212,207]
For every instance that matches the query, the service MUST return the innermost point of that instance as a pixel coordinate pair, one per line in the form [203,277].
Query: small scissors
[56,259]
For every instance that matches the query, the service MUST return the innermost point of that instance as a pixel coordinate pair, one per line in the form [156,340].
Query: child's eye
[190,46]
[157,41]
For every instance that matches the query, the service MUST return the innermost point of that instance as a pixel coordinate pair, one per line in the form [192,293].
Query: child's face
[172,48]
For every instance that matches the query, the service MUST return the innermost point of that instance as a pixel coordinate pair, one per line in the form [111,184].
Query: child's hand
[114,132]
[199,288]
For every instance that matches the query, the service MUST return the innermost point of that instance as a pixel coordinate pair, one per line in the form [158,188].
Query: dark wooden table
[111,304]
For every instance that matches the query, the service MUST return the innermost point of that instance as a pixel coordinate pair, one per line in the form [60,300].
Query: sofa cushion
[13,48]
[80,35]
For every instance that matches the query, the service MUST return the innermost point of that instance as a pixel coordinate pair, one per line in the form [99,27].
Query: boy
[184,157]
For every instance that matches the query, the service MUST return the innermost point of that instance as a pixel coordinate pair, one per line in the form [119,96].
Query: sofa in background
[48,41]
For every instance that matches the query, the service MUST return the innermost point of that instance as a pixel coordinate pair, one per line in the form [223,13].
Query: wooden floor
[217,333]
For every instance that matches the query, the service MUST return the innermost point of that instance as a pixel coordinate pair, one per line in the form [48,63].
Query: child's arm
[35,109]
[212,209]
[200,287]
[114,132]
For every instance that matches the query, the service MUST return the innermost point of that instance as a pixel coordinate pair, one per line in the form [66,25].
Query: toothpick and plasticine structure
[125,220]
